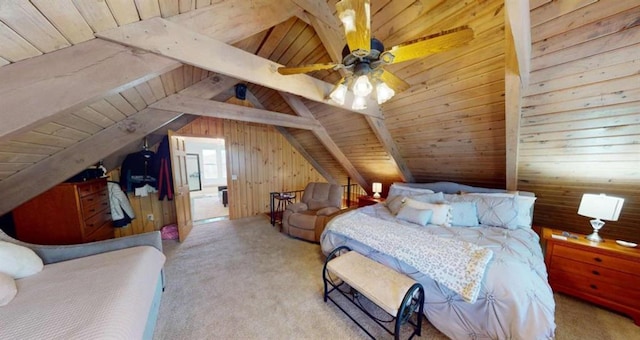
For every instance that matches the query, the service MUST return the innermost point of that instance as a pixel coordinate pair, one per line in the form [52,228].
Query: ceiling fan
[364,57]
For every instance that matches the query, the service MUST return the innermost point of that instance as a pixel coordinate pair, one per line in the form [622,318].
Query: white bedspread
[456,264]
[105,296]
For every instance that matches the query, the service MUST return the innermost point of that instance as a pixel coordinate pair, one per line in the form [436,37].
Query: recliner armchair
[306,219]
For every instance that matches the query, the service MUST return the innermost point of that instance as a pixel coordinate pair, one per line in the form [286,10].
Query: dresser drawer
[94,203]
[592,286]
[97,220]
[591,257]
[88,188]
[596,272]
[103,232]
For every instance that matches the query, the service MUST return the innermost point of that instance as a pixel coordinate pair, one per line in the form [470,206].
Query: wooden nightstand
[364,200]
[604,273]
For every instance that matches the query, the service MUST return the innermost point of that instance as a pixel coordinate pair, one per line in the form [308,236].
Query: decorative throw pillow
[464,214]
[8,289]
[18,261]
[441,212]
[414,215]
[395,203]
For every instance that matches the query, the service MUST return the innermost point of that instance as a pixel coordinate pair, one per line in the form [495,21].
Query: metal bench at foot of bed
[396,294]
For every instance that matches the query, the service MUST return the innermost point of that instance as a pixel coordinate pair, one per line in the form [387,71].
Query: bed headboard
[455,188]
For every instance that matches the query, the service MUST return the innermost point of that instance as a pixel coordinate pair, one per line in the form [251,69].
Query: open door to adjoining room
[207,169]
[181,199]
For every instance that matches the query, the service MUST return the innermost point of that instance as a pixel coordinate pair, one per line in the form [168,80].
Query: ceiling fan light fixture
[359,103]
[384,92]
[362,86]
[339,93]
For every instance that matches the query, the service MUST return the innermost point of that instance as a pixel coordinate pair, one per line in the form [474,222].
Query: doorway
[207,169]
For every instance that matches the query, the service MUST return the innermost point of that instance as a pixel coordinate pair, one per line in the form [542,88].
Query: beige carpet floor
[242,279]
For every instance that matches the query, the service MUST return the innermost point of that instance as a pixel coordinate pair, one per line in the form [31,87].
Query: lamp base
[594,237]
[376,195]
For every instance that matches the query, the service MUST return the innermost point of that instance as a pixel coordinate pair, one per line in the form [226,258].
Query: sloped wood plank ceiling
[68,99]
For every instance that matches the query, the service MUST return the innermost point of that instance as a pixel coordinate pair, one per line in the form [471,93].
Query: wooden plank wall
[450,124]
[580,129]
[263,162]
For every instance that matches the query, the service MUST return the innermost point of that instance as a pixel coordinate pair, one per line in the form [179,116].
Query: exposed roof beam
[210,108]
[384,136]
[174,41]
[34,90]
[77,157]
[294,142]
[320,10]
[518,18]
[233,20]
[321,133]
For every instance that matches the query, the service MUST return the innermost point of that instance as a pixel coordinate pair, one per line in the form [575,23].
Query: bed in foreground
[477,257]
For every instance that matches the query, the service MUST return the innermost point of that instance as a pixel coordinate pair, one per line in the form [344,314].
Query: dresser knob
[593,286]
[595,272]
[597,259]
[92,210]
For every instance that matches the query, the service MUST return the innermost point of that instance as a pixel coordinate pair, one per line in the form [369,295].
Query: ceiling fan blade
[431,44]
[306,68]
[393,81]
[356,19]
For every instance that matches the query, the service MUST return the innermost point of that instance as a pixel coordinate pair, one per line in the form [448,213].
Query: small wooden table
[365,200]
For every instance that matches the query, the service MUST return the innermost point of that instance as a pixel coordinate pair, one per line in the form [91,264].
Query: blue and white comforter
[515,300]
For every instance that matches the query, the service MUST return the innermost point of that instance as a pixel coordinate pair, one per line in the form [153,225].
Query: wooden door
[180,184]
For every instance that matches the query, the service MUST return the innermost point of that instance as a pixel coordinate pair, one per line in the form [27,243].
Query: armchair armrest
[297,207]
[327,211]
[59,253]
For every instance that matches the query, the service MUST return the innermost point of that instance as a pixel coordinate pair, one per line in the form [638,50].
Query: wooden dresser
[68,213]
[604,273]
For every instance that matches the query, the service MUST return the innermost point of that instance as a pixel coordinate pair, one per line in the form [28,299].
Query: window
[214,163]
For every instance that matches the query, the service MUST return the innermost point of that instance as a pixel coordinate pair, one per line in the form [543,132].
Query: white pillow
[414,215]
[441,211]
[18,261]
[8,289]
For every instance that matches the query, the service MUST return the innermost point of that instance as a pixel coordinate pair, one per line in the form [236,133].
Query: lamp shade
[601,206]
[377,187]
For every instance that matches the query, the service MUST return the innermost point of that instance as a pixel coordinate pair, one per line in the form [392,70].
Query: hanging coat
[165,175]
[121,209]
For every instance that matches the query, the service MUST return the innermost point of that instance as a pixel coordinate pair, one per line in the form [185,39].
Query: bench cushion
[382,285]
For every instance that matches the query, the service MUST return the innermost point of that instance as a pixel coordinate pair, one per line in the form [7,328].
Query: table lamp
[600,207]
[376,188]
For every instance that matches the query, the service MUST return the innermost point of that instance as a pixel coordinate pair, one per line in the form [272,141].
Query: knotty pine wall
[580,129]
[450,125]
[262,160]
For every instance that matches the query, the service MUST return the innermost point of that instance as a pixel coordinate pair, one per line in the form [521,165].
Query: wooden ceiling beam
[319,10]
[321,133]
[210,108]
[177,42]
[77,157]
[32,91]
[518,17]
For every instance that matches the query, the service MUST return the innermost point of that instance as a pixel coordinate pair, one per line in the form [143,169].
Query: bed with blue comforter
[472,249]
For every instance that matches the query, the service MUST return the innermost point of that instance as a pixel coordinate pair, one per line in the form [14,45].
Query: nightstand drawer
[596,287]
[596,272]
[628,266]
